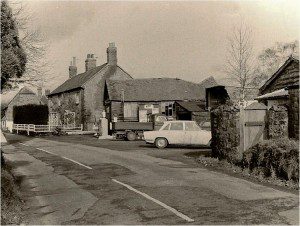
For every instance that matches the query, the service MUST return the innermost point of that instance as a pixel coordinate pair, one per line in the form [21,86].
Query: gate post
[27,129]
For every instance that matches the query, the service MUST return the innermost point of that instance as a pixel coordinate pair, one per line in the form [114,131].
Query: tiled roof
[78,80]
[209,82]
[192,106]
[8,96]
[155,89]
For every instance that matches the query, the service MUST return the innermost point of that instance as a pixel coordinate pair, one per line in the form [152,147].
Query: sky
[185,39]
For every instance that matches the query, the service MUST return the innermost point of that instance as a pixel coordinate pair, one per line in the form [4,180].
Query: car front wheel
[161,143]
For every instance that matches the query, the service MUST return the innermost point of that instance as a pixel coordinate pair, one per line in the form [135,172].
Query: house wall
[294,113]
[289,76]
[71,101]
[94,95]
[20,99]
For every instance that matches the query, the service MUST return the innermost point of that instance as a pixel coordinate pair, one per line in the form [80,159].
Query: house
[283,89]
[81,96]
[17,97]
[134,100]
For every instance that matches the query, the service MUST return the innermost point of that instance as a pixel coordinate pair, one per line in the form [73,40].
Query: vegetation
[31,114]
[13,56]
[11,204]
[274,158]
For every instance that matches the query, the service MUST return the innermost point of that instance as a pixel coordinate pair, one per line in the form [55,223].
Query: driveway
[82,180]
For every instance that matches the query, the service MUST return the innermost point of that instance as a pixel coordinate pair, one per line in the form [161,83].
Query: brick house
[82,94]
[283,89]
[13,98]
[133,100]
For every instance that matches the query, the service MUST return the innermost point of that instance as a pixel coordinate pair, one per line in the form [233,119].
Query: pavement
[83,180]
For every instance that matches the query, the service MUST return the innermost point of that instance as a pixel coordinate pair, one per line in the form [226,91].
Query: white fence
[43,128]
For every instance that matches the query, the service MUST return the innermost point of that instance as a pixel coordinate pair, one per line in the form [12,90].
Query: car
[178,133]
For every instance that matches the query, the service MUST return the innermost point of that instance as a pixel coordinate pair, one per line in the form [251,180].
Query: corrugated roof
[78,80]
[192,106]
[275,94]
[155,89]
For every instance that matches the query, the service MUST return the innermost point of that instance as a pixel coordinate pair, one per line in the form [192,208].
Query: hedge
[31,114]
[277,157]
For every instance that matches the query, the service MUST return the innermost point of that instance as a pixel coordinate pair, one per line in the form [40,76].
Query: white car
[178,132]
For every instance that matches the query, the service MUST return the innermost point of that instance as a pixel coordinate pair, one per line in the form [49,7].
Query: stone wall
[294,112]
[277,122]
[225,132]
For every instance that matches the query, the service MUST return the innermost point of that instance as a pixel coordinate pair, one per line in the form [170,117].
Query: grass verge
[11,203]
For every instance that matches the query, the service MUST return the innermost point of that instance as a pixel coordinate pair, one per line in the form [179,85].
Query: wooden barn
[135,100]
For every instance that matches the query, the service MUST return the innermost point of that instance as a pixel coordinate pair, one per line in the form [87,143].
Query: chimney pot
[112,54]
[72,68]
[90,62]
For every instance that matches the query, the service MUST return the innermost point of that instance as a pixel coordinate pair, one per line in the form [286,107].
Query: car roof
[179,121]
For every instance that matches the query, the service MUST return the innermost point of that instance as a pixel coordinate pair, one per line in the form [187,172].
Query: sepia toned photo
[150,112]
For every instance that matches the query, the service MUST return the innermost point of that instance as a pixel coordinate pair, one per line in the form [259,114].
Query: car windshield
[192,126]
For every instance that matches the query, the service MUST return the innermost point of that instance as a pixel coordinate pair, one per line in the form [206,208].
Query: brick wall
[294,113]
[277,122]
[94,95]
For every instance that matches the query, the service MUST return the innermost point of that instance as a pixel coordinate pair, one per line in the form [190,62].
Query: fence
[43,128]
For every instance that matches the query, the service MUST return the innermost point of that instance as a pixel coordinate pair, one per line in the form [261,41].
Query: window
[77,98]
[167,127]
[130,110]
[176,126]
[190,126]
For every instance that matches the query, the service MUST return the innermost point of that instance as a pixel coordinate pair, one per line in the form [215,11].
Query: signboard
[142,115]
[148,106]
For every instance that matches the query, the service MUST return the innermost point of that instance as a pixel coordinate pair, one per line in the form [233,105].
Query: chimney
[112,54]
[47,92]
[72,68]
[39,91]
[90,62]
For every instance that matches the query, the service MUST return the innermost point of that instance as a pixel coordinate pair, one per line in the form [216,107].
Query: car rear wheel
[161,143]
[131,136]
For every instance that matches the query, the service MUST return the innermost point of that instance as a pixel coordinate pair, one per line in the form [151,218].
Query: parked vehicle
[134,130]
[178,132]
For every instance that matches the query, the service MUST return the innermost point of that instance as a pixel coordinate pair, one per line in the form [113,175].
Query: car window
[191,126]
[176,126]
[167,127]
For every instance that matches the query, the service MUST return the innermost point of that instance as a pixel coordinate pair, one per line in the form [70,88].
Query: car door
[194,133]
[176,133]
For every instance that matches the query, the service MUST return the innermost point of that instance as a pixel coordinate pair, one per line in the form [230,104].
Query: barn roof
[155,89]
[209,82]
[8,96]
[278,72]
[192,106]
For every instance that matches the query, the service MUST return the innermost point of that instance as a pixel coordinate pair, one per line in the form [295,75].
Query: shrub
[31,114]
[278,157]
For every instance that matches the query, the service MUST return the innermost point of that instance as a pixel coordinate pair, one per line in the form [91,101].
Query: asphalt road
[82,180]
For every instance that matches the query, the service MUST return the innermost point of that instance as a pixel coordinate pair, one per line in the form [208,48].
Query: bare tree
[239,60]
[34,44]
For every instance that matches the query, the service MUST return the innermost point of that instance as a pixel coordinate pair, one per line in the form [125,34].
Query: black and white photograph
[150,112]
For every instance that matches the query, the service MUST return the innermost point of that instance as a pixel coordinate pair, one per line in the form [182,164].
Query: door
[176,133]
[194,134]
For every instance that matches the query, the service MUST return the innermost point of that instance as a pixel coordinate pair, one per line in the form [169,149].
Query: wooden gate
[252,125]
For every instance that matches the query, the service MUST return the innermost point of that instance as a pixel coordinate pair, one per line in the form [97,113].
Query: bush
[31,114]
[278,157]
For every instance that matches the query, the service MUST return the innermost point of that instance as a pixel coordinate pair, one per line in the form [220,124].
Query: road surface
[115,183]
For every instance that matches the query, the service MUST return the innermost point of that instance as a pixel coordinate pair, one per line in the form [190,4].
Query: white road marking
[77,162]
[51,153]
[24,144]
[156,201]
